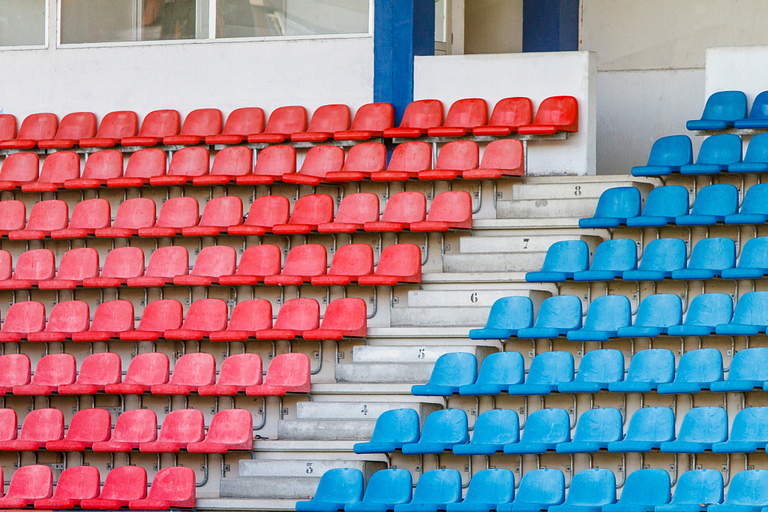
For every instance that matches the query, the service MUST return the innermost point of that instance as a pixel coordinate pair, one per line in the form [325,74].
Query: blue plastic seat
[648,428]
[697,370]
[393,429]
[754,208]
[337,488]
[701,428]
[716,154]
[498,372]
[749,370]
[493,429]
[562,260]
[605,316]
[661,257]
[386,488]
[705,313]
[749,432]
[611,259]
[750,316]
[539,489]
[662,206]
[449,373]
[753,262]
[548,370]
[655,315]
[695,490]
[487,490]
[442,429]
[508,314]
[613,208]
[756,157]
[747,492]
[667,155]
[544,430]
[434,490]
[643,490]
[597,370]
[647,369]
[590,490]
[711,205]
[758,116]
[721,110]
[594,430]
[709,258]
[557,315]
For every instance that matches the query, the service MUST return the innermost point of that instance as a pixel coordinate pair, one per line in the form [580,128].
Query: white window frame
[43,46]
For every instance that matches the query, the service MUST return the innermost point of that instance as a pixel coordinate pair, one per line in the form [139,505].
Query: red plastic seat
[86,427]
[75,265]
[185,164]
[120,265]
[248,317]
[408,160]
[370,120]
[6,266]
[158,316]
[72,128]
[164,265]
[401,210]
[110,320]
[197,126]
[228,165]
[454,158]
[344,318]
[419,116]
[462,117]
[35,127]
[287,373]
[131,429]
[113,128]
[350,262]
[555,114]
[237,373]
[320,160]
[230,430]
[156,125]
[265,213]
[13,217]
[7,127]
[178,430]
[203,317]
[142,166]
[29,483]
[8,424]
[66,318]
[326,120]
[57,168]
[508,114]
[175,214]
[99,168]
[172,487]
[87,217]
[15,370]
[308,212]
[97,371]
[21,319]
[18,169]
[241,123]
[45,216]
[302,264]
[354,211]
[74,485]
[122,484]
[500,158]
[212,263]
[31,268]
[218,215]
[362,160]
[39,427]
[256,263]
[449,210]
[399,263]
[190,372]
[132,215]
[294,317]
[282,122]
[144,371]
[272,163]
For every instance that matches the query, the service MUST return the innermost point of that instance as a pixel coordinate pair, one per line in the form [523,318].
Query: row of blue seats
[725,109]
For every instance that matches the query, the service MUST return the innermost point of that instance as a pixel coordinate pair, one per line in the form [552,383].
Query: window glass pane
[22,22]
[440,15]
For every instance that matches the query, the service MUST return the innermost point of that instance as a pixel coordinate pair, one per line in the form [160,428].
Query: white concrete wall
[737,68]
[535,75]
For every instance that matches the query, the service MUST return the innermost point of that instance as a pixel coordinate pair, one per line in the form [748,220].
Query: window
[22,22]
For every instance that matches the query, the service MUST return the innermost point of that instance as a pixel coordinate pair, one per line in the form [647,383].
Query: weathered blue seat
[643,490]
[696,370]
[493,429]
[695,490]
[562,260]
[750,316]
[647,369]
[590,489]
[758,116]
[386,488]
[712,204]
[337,488]
[660,258]
[487,490]
[754,208]
[705,313]
[749,432]
[497,373]
[655,315]
[613,208]
[594,430]
[539,489]
[543,430]
[747,492]
[715,155]
[393,429]
[667,155]
[756,156]
[701,428]
[648,428]
[508,314]
[662,206]
[709,258]
[605,316]
[434,490]
[451,371]
[442,429]
[722,109]
[548,370]
[753,262]
[557,315]
[597,370]
[612,258]
[749,370]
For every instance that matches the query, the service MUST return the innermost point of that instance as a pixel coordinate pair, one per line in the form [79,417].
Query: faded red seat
[449,210]
[401,210]
[354,211]
[203,317]
[57,168]
[15,370]
[294,317]
[31,268]
[348,263]
[454,158]
[190,372]
[218,215]
[86,427]
[45,216]
[120,265]
[282,122]
[265,213]
[228,165]
[344,318]
[66,318]
[35,127]
[462,117]
[230,430]
[131,216]
[370,120]
[308,212]
[29,483]
[320,160]
[7,127]
[74,485]
[158,316]
[156,125]
[272,163]
[21,319]
[197,126]
[363,160]
[287,373]
[131,429]
[185,164]
[100,167]
[19,169]
[211,264]
[408,160]
[75,265]
[6,266]
[555,114]
[111,319]
[164,265]
[13,216]
[8,426]
[419,116]
[144,371]
[248,317]
[87,217]
[113,128]
[508,114]
[500,158]
[399,263]
[326,120]
[39,427]
[302,264]
[179,428]
[175,214]
[122,484]
[256,263]
[237,373]
[241,123]
[72,128]
[97,371]
[171,487]
[142,166]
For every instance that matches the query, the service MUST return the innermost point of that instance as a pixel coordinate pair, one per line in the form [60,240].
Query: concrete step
[241,504]
[528,262]
[518,244]
[461,298]
[572,190]
[325,430]
[355,410]
[437,317]
[405,354]
[546,208]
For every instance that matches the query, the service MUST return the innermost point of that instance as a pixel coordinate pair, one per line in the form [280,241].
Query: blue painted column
[550,25]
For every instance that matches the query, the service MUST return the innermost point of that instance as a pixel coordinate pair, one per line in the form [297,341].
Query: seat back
[15,370]
[37,265]
[196,369]
[755,200]
[182,426]
[76,265]
[146,163]
[566,256]
[504,368]
[505,155]
[358,208]
[55,369]
[42,425]
[667,201]
[366,157]
[374,117]
[562,312]
[135,213]
[752,309]
[161,315]
[467,113]
[13,215]
[674,150]
[547,426]
[592,487]
[722,199]
[656,365]
[135,426]
[618,203]
[103,165]
[459,155]
[202,122]
[288,369]
[702,365]
[233,161]
[31,483]
[422,114]
[191,161]
[251,315]
[496,426]
[604,365]
[306,260]
[6,265]
[495,486]
[608,313]
[664,255]
[352,260]
[275,161]
[78,483]
[267,211]
[599,425]
[223,212]
[546,486]
[7,126]
[240,370]
[206,315]
[749,364]
[215,261]
[660,310]
[454,369]
[313,209]
[390,486]
[178,212]
[401,260]
[615,255]
[60,167]
[20,168]
[168,262]
[90,426]
[722,149]
[244,121]
[48,215]
[330,118]
[91,214]
[559,111]
[515,312]
[125,483]
[757,150]
[704,425]
[160,123]
[750,425]
[298,315]
[232,427]
[25,317]
[287,120]
[77,125]
[100,369]
[38,127]
[748,488]
[709,309]
[412,157]
[699,486]
[646,487]
[148,369]
[438,486]
[452,206]
[68,316]
[175,484]
[347,314]
[651,424]
[260,260]
[321,160]
[123,263]
[340,485]
[516,111]
[551,368]
[726,106]
[396,426]
[405,207]
[118,124]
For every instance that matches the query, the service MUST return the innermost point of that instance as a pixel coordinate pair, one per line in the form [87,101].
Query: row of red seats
[124,486]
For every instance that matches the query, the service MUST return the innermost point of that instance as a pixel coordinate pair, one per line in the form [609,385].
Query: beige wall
[493,26]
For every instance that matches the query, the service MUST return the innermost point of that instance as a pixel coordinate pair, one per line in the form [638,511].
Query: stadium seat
[96,371]
[39,427]
[179,429]
[716,154]
[294,317]
[605,316]
[554,114]
[453,159]
[546,372]
[562,261]
[144,371]
[45,216]
[185,165]
[265,213]
[705,312]
[597,369]
[72,128]
[497,373]
[142,166]
[407,161]
[434,490]
[13,216]
[73,485]
[7,127]
[320,161]
[197,126]
[507,316]
[230,429]
[508,114]
[662,206]
[65,319]
[132,428]
[15,370]
[747,371]
[402,210]
[113,128]
[86,427]
[28,484]
[256,263]
[228,165]
[543,430]
[189,373]
[696,370]
[164,265]
[647,369]
[302,264]
[695,490]
[747,492]
[349,262]
[121,485]
[594,430]
[701,428]
[344,318]
[611,259]
[753,262]
[758,115]
[712,204]
[655,315]
[203,317]
[557,315]
[449,210]
[643,490]
[393,429]
[720,111]
[750,316]
[6,266]
[500,158]
[614,207]
[175,214]
[272,163]
[592,488]
[21,319]
[667,155]
[386,489]
[539,489]
[337,487]
[709,258]
[326,120]
[354,211]
[237,372]
[213,262]
[31,268]
[18,169]
[74,266]
[362,160]
[755,158]
[487,490]
[100,167]
[57,168]
[749,432]
[171,487]
[158,316]
[35,127]
[287,373]
[492,430]
[462,117]
[661,257]
[51,372]
[87,217]
[156,125]
[120,265]
[753,208]
[370,121]
[451,371]
[419,116]
[308,212]
[398,263]
[219,214]
[648,428]
[241,122]
[282,123]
